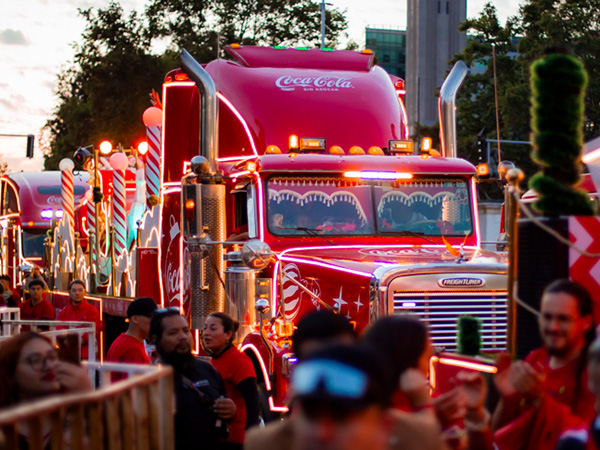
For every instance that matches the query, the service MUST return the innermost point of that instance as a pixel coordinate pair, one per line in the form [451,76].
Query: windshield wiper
[415,234]
[309,231]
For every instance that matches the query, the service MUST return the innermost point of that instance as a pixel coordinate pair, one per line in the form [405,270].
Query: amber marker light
[483,170]
[272,150]
[426,145]
[142,148]
[336,150]
[251,166]
[105,147]
[356,150]
[190,205]
[294,142]
[374,150]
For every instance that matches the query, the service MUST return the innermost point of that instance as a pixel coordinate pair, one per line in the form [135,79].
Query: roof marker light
[426,144]
[366,51]
[378,175]
[272,150]
[400,146]
[336,150]
[294,142]
[356,150]
[374,150]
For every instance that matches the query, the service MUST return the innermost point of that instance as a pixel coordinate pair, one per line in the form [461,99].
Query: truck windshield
[337,206]
[33,242]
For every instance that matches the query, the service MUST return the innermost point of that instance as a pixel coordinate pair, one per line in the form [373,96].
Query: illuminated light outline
[261,208]
[405,118]
[474,198]
[591,156]
[235,158]
[241,119]
[480,367]
[327,266]
[263,368]
[378,175]
[14,186]
[240,174]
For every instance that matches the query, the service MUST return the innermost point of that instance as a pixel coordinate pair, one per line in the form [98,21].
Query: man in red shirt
[37,307]
[80,310]
[547,392]
[129,346]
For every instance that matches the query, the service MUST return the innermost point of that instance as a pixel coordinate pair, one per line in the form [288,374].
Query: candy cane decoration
[91,225]
[119,212]
[66,190]
[153,122]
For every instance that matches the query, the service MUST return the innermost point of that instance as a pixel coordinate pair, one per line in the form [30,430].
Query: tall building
[432,39]
[390,49]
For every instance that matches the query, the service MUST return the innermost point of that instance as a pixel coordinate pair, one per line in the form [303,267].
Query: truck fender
[263,382]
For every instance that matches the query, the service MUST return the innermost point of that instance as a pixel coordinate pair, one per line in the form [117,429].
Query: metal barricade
[7,313]
[12,327]
[135,413]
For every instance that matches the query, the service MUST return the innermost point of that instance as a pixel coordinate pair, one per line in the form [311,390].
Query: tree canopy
[540,25]
[103,94]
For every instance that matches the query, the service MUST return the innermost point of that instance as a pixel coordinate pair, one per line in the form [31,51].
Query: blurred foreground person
[237,372]
[202,408]
[340,403]
[588,436]
[319,329]
[547,393]
[316,330]
[30,370]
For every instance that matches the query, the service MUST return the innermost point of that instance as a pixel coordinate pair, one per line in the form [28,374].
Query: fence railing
[11,327]
[135,413]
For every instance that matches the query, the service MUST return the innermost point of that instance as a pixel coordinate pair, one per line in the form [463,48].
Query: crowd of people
[346,392]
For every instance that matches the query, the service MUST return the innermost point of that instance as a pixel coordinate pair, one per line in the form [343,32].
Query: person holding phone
[30,369]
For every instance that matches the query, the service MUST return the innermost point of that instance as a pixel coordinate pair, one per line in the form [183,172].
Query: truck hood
[367,259]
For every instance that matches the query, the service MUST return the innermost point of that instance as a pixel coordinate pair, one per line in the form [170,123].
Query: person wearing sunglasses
[202,406]
[341,401]
[30,370]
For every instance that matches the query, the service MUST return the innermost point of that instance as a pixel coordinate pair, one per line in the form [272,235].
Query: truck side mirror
[256,254]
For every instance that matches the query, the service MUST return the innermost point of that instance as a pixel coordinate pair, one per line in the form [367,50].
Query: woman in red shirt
[237,372]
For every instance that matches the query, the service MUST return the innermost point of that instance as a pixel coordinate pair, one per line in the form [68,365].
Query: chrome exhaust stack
[447,109]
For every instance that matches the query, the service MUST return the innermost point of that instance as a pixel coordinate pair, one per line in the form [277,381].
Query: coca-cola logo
[54,199]
[324,83]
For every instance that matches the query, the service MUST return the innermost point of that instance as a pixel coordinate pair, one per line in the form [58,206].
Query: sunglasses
[167,310]
[329,379]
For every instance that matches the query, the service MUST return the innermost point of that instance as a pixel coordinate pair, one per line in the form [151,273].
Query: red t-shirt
[127,349]
[42,311]
[82,312]
[560,384]
[234,367]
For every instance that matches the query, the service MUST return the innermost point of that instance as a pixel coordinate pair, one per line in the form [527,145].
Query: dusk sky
[35,38]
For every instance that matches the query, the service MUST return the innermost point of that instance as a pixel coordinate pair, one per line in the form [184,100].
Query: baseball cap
[342,378]
[143,306]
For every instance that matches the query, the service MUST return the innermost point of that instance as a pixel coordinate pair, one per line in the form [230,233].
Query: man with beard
[201,407]
[547,393]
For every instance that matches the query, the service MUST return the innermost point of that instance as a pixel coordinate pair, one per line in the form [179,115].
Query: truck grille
[440,310]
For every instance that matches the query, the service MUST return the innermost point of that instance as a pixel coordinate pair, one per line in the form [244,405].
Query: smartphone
[68,348]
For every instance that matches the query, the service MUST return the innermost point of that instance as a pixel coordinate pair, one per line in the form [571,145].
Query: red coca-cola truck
[308,151]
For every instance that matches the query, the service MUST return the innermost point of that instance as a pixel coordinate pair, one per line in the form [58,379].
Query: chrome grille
[440,310]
